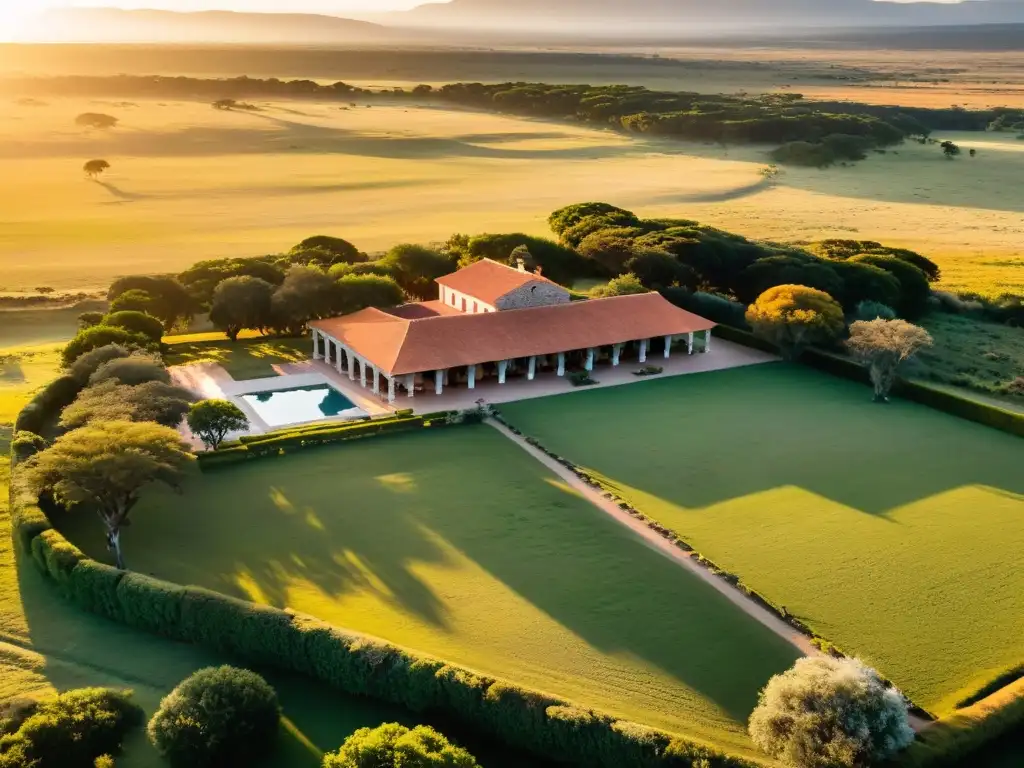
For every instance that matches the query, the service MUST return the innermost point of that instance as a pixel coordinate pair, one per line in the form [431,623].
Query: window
[463,303]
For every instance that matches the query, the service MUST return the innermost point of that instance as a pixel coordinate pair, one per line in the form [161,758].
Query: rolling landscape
[493,384]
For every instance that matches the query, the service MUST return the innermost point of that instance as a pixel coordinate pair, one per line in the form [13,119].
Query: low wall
[546,726]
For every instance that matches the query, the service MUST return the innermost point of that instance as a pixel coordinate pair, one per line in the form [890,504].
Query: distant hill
[592,15]
[116,25]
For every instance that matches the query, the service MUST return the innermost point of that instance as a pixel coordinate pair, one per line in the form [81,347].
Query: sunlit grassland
[460,545]
[890,530]
[188,183]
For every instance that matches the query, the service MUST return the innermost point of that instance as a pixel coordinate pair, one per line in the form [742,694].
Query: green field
[889,530]
[47,645]
[247,358]
[460,545]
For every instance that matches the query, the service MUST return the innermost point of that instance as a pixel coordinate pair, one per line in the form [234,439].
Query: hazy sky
[322,6]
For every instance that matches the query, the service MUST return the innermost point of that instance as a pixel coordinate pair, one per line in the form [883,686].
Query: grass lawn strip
[886,529]
[459,545]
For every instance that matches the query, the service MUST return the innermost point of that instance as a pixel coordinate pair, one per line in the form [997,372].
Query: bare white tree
[883,345]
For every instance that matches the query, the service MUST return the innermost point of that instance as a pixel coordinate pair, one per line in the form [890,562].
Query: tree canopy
[212,420]
[884,345]
[794,316]
[94,168]
[416,267]
[242,302]
[105,465]
[110,400]
[395,746]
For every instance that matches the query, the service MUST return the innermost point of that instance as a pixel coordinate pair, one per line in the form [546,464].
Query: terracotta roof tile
[398,345]
[488,280]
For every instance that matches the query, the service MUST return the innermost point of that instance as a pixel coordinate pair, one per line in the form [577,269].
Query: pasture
[887,529]
[188,183]
[460,545]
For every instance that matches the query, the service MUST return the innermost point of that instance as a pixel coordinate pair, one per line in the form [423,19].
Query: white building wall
[464,302]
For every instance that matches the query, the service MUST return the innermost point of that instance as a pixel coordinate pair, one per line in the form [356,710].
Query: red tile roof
[423,309]
[398,345]
[488,280]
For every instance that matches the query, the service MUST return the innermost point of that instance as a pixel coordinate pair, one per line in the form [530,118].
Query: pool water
[300,404]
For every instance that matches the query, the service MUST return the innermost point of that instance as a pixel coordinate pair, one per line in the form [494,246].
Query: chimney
[521,264]
[538,270]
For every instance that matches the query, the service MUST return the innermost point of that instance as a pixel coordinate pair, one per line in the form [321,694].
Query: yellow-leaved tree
[794,317]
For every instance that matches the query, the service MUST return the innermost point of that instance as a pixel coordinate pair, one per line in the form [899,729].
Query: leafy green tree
[623,285]
[339,251]
[416,267]
[95,168]
[394,746]
[884,345]
[565,218]
[240,303]
[218,716]
[135,300]
[914,287]
[104,467]
[949,149]
[136,322]
[169,300]
[358,292]
[138,368]
[111,401]
[830,713]
[786,270]
[865,282]
[306,294]
[658,270]
[89,319]
[212,420]
[202,278]
[102,336]
[611,248]
[794,317]
[556,261]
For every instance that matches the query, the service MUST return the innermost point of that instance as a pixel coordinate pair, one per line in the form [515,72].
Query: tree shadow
[121,195]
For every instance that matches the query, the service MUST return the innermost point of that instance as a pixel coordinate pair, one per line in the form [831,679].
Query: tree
[242,302]
[95,120]
[949,149]
[134,300]
[110,400]
[95,168]
[89,319]
[558,262]
[914,287]
[339,251]
[168,299]
[830,713]
[138,368]
[658,270]
[105,465]
[306,294]
[623,285]
[136,322]
[356,292]
[883,345]
[416,267]
[218,716]
[88,363]
[394,746]
[973,152]
[611,248]
[794,316]
[786,270]
[100,336]
[770,173]
[212,420]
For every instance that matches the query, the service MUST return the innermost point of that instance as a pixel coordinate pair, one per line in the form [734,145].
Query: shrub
[914,287]
[712,306]
[70,731]
[581,379]
[89,319]
[794,316]
[623,285]
[394,746]
[872,310]
[43,410]
[26,444]
[830,713]
[87,364]
[218,716]
[136,369]
[101,336]
[136,322]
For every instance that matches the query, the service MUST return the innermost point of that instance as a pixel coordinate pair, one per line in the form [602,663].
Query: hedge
[939,399]
[45,407]
[546,726]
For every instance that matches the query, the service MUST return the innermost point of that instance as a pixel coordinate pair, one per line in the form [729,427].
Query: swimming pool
[298,405]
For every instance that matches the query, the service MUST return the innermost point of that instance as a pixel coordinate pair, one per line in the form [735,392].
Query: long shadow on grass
[696,441]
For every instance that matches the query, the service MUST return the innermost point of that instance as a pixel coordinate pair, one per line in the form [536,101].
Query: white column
[707,340]
[471,372]
[590,359]
[341,356]
[616,351]
[438,382]
[362,373]
[561,363]
[391,389]
[531,371]
[643,350]
[689,343]
[410,384]
[668,346]
[316,344]
[502,367]
[376,380]
[351,364]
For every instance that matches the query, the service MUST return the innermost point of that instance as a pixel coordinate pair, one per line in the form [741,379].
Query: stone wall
[537,293]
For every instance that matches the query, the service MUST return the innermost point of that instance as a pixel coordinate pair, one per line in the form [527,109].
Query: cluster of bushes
[131,329]
[72,730]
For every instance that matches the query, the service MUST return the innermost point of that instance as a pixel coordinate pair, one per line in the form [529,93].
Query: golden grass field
[190,183]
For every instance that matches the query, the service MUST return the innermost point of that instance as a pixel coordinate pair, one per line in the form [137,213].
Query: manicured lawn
[247,358]
[892,530]
[460,545]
